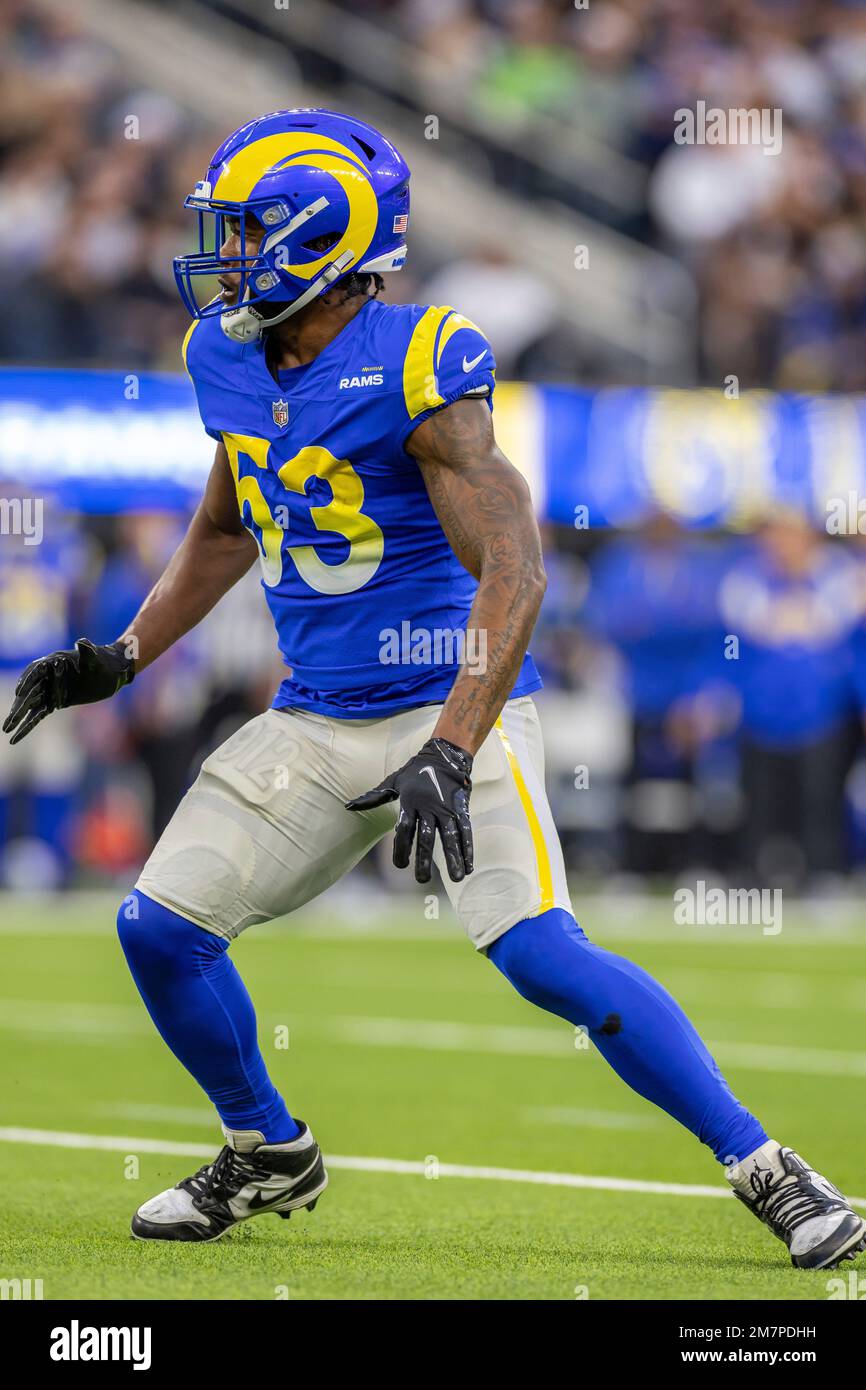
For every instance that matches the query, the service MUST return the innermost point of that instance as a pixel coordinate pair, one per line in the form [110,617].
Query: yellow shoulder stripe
[420,388]
[450,327]
[423,355]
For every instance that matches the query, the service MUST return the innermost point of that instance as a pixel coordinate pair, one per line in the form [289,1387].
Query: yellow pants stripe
[542,858]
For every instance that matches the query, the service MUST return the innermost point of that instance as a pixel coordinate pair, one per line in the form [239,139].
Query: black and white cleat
[247,1178]
[818,1225]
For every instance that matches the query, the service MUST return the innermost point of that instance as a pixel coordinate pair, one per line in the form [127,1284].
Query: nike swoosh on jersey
[467,366]
[431,773]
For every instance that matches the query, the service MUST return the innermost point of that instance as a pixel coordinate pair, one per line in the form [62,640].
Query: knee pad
[154,934]
[537,956]
[526,951]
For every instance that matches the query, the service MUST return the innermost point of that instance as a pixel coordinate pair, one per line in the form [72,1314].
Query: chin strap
[245,324]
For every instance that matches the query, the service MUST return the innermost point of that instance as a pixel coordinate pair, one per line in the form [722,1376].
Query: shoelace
[222,1179]
[786,1205]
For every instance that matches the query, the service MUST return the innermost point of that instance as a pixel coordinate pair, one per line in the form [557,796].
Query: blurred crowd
[704,701]
[93,174]
[92,216]
[776,243]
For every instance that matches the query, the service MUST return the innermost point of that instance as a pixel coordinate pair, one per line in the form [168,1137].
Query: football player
[356,460]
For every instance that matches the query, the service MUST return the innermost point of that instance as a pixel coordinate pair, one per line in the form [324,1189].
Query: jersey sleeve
[447,358]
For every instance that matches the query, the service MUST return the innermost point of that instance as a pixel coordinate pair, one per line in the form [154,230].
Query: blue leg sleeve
[635,1024]
[201,1008]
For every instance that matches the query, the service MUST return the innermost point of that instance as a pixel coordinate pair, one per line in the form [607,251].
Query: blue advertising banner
[105,441]
[614,456]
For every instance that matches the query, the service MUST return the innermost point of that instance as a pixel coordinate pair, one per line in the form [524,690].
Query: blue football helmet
[314,179]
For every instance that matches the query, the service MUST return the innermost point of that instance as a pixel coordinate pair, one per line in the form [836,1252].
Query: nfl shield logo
[281,413]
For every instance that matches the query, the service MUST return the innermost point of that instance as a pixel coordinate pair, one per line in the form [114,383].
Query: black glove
[75,677]
[433,788]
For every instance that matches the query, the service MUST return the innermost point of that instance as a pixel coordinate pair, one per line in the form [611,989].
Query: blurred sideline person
[793,604]
[356,459]
[163,712]
[514,304]
[653,595]
[37,783]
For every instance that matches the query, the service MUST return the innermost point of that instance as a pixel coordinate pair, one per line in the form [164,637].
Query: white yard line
[575,1118]
[70,1018]
[798,1061]
[199,1116]
[438,1035]
[61,1021]
[125,1144]
[434,1035]
[765,989]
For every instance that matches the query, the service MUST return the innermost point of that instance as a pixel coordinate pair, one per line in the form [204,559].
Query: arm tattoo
[486,512]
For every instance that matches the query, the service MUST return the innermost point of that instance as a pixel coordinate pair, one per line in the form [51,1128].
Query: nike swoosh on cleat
[257,1203]
[467,366]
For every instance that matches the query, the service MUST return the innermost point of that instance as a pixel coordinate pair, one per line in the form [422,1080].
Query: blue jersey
[369,601]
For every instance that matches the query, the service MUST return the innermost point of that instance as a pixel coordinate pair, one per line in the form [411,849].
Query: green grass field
[404,1045]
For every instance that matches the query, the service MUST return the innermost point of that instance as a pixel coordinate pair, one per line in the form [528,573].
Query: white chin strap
[245,324]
